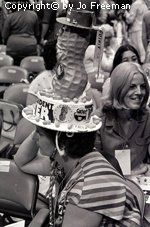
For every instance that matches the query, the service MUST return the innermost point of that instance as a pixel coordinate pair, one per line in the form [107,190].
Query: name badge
[123,157]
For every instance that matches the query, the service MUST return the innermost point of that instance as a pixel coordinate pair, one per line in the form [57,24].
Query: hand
[34,136]
[43,42]
[140,169]
[148,172]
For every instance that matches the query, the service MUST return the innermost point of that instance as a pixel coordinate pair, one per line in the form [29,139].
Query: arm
[6,32]
[29,160]
[131,15]
[144,35]
[98,142]
[47,17]
[75,216]
[36,30]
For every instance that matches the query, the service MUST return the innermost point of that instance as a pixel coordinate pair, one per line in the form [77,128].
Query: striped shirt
[96,186]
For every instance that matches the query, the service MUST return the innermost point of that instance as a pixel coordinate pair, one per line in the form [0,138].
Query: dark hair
[119,54]
[78,145]
[49,54]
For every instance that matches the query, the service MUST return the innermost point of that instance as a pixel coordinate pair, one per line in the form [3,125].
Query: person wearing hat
[92,193]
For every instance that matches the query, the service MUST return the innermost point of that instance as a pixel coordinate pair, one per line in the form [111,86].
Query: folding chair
[22,131]
[17,93]
[6,60]
[18,191]
[11,114]
[34,65]
[2,49]
[11,74]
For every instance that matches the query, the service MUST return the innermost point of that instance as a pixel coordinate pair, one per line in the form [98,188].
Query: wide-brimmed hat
[62,114]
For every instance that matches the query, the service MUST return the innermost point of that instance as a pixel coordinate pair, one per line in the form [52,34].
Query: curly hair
[78,145]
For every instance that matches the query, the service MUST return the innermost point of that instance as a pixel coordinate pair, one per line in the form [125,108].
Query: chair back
[17,93]
[22,131]
[12,74]
[138,192]
[18,190]
[3,48]
[34,65]
[6,60]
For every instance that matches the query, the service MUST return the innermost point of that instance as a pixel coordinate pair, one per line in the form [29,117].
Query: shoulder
[100,184]
[90,50]
[146,14]
[31,12]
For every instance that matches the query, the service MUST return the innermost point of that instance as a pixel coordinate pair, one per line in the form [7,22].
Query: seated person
[125,53]
[44,79]
[126,117]
[111,204]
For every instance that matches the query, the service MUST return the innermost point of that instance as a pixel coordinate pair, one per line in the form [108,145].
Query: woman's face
[136,93]
[46,144]
[129,56]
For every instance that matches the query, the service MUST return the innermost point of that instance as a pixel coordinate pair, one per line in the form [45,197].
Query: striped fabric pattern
[95,185]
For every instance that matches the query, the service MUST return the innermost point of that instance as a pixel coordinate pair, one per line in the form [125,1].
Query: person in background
[44,79]
[134,20]
[125,116]
[146,35]
[107,59]
[125,53]
[21,33]
[120,28]
[49,25]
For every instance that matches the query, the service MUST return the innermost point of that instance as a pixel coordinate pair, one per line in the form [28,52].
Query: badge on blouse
[123,157]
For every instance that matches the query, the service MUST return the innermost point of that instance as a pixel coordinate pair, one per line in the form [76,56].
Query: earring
[69,134]
[61,152]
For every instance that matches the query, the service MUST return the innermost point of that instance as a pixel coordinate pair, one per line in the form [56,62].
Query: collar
[111,118]
[136,121]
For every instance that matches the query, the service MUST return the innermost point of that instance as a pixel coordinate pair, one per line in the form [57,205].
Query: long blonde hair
[121,78]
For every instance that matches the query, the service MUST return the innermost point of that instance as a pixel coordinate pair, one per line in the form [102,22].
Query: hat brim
[61,128]
[62,20]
